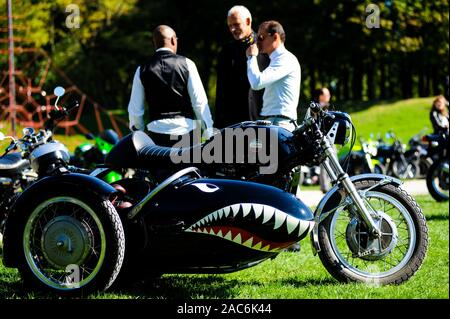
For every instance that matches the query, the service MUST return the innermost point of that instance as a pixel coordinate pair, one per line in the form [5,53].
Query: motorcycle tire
[348,258]
[424,167]
[437,181]
[73,242]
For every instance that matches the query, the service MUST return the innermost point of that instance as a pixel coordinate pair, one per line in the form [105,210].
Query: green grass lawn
[289,276]
[406,118]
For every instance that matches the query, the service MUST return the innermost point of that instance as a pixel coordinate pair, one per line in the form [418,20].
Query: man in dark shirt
[235,101]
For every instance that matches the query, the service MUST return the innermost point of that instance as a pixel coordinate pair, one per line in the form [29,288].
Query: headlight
[338,127]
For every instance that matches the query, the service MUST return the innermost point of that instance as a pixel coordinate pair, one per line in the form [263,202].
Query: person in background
[281,79]
[439,115]
[323,97]
[174,92]
[235,101]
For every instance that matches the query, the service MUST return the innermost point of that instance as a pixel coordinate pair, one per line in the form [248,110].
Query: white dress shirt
[172,126]
[281,81]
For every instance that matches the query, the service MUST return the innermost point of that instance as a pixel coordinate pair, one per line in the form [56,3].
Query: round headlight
[338,127]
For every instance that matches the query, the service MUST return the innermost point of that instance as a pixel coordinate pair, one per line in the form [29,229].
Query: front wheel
[72,243]
[351,253]
[438,180]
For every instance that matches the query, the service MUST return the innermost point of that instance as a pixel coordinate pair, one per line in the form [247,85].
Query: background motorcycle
[418,154]
[15,175]
[392,156]
[88,155]
[438,174]
[363,159]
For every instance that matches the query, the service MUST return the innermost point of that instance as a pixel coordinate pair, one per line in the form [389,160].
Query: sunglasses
[261,37]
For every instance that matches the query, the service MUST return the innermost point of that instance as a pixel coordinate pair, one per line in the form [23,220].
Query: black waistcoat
[165,77]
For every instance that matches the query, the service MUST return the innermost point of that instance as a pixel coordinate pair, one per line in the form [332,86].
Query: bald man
[174,92]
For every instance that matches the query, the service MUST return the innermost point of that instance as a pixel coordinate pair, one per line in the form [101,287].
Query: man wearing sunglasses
[281,79]
[174,92]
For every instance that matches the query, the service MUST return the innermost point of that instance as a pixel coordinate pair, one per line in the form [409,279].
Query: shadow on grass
[179,286]
[437,217]
[310,282]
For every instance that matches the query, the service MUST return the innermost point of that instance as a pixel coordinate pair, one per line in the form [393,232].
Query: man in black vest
[174,92]
[235,101]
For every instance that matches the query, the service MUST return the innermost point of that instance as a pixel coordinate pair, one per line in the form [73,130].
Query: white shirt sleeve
[198,97]
[275,71]
[136,108]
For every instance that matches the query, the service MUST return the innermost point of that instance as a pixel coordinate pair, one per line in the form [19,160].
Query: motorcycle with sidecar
[72,232]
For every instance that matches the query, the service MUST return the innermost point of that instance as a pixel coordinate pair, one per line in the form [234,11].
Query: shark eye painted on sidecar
[206,187]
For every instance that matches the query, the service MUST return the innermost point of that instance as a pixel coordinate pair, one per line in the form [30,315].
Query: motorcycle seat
[11,164]
[152,153]
[138,150]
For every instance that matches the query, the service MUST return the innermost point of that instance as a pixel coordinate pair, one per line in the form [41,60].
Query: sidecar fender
[335,196]
[12,237]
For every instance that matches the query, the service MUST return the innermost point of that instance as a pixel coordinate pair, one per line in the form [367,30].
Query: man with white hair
[235,101]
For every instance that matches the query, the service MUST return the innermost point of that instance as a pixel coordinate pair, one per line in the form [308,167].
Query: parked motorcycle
[392,156]
[89,155]
[15,168]
[363,159]
[418,154]
[438,174]
[15,175]
[71,232]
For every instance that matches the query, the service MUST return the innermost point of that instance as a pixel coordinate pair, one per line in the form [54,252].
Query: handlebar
[57,115]
[31,140]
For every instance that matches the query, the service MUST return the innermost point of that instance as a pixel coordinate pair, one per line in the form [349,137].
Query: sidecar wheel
[72,244]
[350,254]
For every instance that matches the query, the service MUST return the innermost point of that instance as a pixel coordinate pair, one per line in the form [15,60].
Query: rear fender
[335,195]
[12,235]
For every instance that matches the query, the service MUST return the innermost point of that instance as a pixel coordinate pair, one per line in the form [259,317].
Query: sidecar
[73,232]
[190,224]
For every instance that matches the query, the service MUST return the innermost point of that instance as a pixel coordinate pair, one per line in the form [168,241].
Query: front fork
[337,174]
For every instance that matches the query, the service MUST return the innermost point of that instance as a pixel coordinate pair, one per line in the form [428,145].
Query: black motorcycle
[71,232]
[438,174]
[363,160]
[15,175]
[89,155]
[393,158]
[419,155]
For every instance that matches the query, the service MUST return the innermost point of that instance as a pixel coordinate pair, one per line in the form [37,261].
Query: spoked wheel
[72,244]
[438,180]
[351,253]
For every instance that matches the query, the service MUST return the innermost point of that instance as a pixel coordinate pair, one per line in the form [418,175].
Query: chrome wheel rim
[383,265]
[64,243]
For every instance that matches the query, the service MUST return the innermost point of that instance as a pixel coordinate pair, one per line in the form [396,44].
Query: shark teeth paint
[279,220]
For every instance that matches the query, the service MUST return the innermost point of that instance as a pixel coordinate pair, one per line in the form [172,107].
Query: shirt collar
[278,51]
[164,49]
